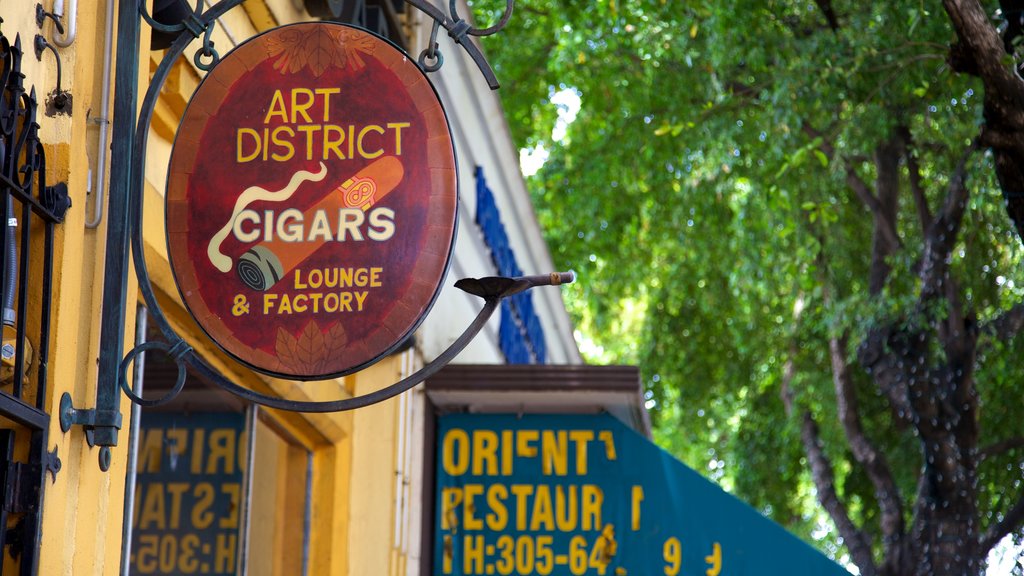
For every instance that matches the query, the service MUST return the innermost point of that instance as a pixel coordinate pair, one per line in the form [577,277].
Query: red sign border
[232,66]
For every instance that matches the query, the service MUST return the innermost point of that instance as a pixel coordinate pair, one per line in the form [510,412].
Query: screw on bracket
[52,463]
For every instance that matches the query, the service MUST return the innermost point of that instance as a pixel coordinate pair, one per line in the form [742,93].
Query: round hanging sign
[311,200]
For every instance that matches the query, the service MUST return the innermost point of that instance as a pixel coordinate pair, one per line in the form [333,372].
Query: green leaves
[704,194]
[672,129]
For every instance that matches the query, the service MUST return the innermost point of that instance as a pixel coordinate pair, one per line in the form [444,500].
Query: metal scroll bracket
[491,289]
[129,140]
[459,30]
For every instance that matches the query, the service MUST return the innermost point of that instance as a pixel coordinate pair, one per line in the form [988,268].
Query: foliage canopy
[791,215]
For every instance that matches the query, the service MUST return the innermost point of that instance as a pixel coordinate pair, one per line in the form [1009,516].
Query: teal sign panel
[584,495]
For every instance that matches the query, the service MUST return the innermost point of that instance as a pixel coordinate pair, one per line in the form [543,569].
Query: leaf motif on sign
[310,349]
[355,44]
[286,348]
[337,339]
[318,49]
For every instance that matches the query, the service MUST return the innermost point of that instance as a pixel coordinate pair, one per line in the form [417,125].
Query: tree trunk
[931,393]
[981,52]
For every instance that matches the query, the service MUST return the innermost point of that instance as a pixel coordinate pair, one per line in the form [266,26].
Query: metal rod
[34,203]
[396,536]
[359,401]
[246,515]
[141,325]
[21,329]
[43,355]
[307,514]
[20,413]
[139,145]
[6,242]
[115,277]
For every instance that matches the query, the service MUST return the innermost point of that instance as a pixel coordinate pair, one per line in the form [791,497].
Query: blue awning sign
[581,495]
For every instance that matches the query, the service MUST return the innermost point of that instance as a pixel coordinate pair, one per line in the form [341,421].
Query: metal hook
[42,15]
[161,27]
[459,29]
[509,4]
[431,52]
[60,97]
[207,51]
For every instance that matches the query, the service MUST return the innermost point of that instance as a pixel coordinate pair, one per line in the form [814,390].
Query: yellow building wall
[353,483]
[81,520]
[373,475]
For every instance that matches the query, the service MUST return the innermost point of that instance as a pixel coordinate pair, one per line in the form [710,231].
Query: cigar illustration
[253,194]
[267,262]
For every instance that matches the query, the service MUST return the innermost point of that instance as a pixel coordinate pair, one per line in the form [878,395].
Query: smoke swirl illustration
[252,194]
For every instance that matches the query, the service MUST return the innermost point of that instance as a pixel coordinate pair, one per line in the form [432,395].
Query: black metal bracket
[90,420]
[57,200]
[52,463]
[60,99]
[459,30]
[42,15]
[491,289]
[22,490]
[87,419]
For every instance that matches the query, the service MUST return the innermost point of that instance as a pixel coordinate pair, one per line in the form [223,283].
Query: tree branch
[1000,447]
[1006,325]
[864,451]
[888,373]
[830,14]
[1013,519]
[886,357]
[885,241]
[942,234]
[887,227]
[980,42]
[924,214]
[1002,139]
[863,192]
[824,479]
[981,52]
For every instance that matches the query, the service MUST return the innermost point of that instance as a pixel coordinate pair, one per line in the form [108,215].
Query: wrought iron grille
[29,212]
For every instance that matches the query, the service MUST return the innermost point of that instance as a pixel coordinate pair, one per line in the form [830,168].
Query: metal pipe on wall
[252,413]
[104,122]
[70,26]
[403,543]
[399,465]
[141,325]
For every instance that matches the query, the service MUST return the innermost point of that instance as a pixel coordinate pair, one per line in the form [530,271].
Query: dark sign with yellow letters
[584,495]
[189,493]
